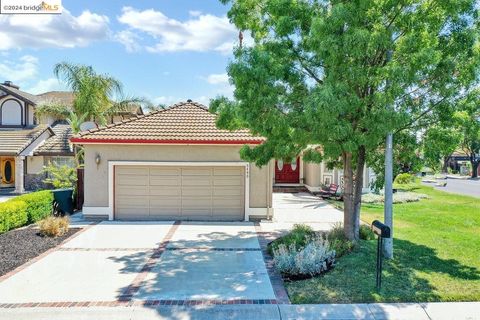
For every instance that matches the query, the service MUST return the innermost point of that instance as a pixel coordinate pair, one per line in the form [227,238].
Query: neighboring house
[459,162]
[176,164]
[28,142]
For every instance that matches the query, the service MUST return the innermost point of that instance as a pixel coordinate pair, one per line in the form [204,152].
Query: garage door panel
[167,202]
[126,191]
[196,171]
[196,192]
[165,181]
[132,170]
[225,203]
[164,171]
[220,192]
[227,171]
[165,191]
[132,201]
[196,202]
[132,180]
[228,181]
[195,181]
[188,193]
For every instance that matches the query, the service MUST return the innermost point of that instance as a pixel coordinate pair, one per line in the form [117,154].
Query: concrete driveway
[146,263]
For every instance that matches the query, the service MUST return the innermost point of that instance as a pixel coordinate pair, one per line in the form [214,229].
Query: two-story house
[28,142]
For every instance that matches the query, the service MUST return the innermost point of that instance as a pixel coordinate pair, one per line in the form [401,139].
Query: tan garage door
[180,193]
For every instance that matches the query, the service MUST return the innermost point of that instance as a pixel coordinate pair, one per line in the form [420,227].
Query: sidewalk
[378,311]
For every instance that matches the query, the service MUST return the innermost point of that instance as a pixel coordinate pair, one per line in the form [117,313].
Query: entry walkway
[301,208]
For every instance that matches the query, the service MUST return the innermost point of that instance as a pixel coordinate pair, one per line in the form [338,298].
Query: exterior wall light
[97,159]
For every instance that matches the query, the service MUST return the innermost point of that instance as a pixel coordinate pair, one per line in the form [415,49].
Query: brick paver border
[44,254]
[119,303]
[133,288]
[126,298]
[275,278]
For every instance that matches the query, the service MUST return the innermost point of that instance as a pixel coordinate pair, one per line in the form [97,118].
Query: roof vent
[189,100]
[10,84]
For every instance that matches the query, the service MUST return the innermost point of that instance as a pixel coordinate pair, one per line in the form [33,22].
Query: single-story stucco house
[176,164]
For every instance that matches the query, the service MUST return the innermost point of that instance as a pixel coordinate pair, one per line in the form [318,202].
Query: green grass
[436,256]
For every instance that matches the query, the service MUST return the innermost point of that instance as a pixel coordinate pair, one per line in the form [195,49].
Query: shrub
[13,214]
[338,240]
[404,178]
[399,197]
[39,205]
[25,209]
[60,176]
[366,233]
[316,257]
[54,226]
[299,236]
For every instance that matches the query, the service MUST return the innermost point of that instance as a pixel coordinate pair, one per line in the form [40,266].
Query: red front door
[289,173]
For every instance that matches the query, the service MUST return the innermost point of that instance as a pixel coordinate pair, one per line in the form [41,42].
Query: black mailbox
[380,229]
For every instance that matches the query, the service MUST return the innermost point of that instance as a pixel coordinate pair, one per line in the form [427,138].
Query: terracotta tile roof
[185,122]
[59,144]
[13,142]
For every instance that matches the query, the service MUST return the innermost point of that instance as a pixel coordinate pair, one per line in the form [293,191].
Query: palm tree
[97,96]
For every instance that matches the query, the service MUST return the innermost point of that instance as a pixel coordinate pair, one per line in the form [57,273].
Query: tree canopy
[332,78]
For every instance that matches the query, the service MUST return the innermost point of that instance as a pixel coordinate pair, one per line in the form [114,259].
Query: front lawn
[437,256]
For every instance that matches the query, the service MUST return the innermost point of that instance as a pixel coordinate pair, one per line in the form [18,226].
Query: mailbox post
[382,231]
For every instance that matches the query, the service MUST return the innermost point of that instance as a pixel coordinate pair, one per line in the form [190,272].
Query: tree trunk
[445,164]
[358,186]
[474,164]
[349,219]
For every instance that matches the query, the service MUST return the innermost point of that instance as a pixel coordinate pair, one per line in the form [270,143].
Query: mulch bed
[21,245]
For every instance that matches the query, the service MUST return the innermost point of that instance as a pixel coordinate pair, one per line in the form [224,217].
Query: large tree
[339,75]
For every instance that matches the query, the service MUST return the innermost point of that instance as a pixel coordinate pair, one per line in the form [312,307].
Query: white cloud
[221,78]
[220,83]
[195,13]
[60,31]
[18,71]
[50,84]
[201,33]
[129,39]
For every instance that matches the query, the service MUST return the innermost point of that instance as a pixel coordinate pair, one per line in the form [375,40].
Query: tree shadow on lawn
[353,279]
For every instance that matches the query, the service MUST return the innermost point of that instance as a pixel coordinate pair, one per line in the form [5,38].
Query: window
[62,161]
[11,113]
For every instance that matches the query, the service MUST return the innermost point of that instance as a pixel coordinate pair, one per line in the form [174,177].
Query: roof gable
[182,123]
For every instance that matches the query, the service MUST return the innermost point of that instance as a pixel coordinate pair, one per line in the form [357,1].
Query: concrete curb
[376,311]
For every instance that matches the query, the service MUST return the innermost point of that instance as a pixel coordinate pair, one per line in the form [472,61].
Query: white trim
[28,151]
[260,212]
[111,176]
[96,211]
[168,144]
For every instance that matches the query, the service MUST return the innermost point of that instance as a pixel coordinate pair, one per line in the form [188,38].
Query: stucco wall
[35,164]
[312,174]
[96,176]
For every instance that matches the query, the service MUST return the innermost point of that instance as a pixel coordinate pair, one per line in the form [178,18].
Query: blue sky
[164,50]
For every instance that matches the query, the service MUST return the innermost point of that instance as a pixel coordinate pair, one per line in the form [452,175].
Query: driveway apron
[146,263]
